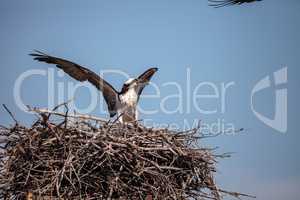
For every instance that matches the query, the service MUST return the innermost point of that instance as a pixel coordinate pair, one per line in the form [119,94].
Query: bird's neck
[130,97]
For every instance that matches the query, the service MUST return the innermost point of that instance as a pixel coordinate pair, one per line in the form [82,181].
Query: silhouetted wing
[83,74]
[222,3]
[144,79]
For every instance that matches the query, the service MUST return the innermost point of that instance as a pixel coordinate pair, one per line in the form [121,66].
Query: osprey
[121,103]
[222,3]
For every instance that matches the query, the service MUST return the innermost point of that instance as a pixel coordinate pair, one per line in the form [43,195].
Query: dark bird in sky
[123,103]
[222,3]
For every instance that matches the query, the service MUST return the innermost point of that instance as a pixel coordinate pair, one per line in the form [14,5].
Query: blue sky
[233,44]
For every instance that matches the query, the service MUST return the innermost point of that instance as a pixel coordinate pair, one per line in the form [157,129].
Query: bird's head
[130,83]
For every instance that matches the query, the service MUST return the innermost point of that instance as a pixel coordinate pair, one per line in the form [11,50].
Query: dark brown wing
[83,74]
[144,79]
[222,3]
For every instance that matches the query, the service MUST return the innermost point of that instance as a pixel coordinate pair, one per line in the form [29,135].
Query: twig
[78,116]
[236,194]
[10,113]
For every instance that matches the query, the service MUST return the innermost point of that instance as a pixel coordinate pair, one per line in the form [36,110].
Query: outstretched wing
[82,74]
[222,3]
[144,79]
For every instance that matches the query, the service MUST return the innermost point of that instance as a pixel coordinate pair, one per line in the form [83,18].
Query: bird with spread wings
[123,103]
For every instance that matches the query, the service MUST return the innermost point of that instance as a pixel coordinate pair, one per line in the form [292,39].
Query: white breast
[128,111]
[129,98]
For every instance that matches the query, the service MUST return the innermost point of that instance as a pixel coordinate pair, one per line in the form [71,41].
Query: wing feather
[144,79]
[82,74]
[222,3]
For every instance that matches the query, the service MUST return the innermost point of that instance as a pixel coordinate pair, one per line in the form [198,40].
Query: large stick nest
[87,158]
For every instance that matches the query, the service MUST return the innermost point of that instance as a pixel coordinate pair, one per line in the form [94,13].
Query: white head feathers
[129,81]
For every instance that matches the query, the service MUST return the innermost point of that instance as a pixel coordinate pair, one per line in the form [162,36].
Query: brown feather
[82,74]
[144,78]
